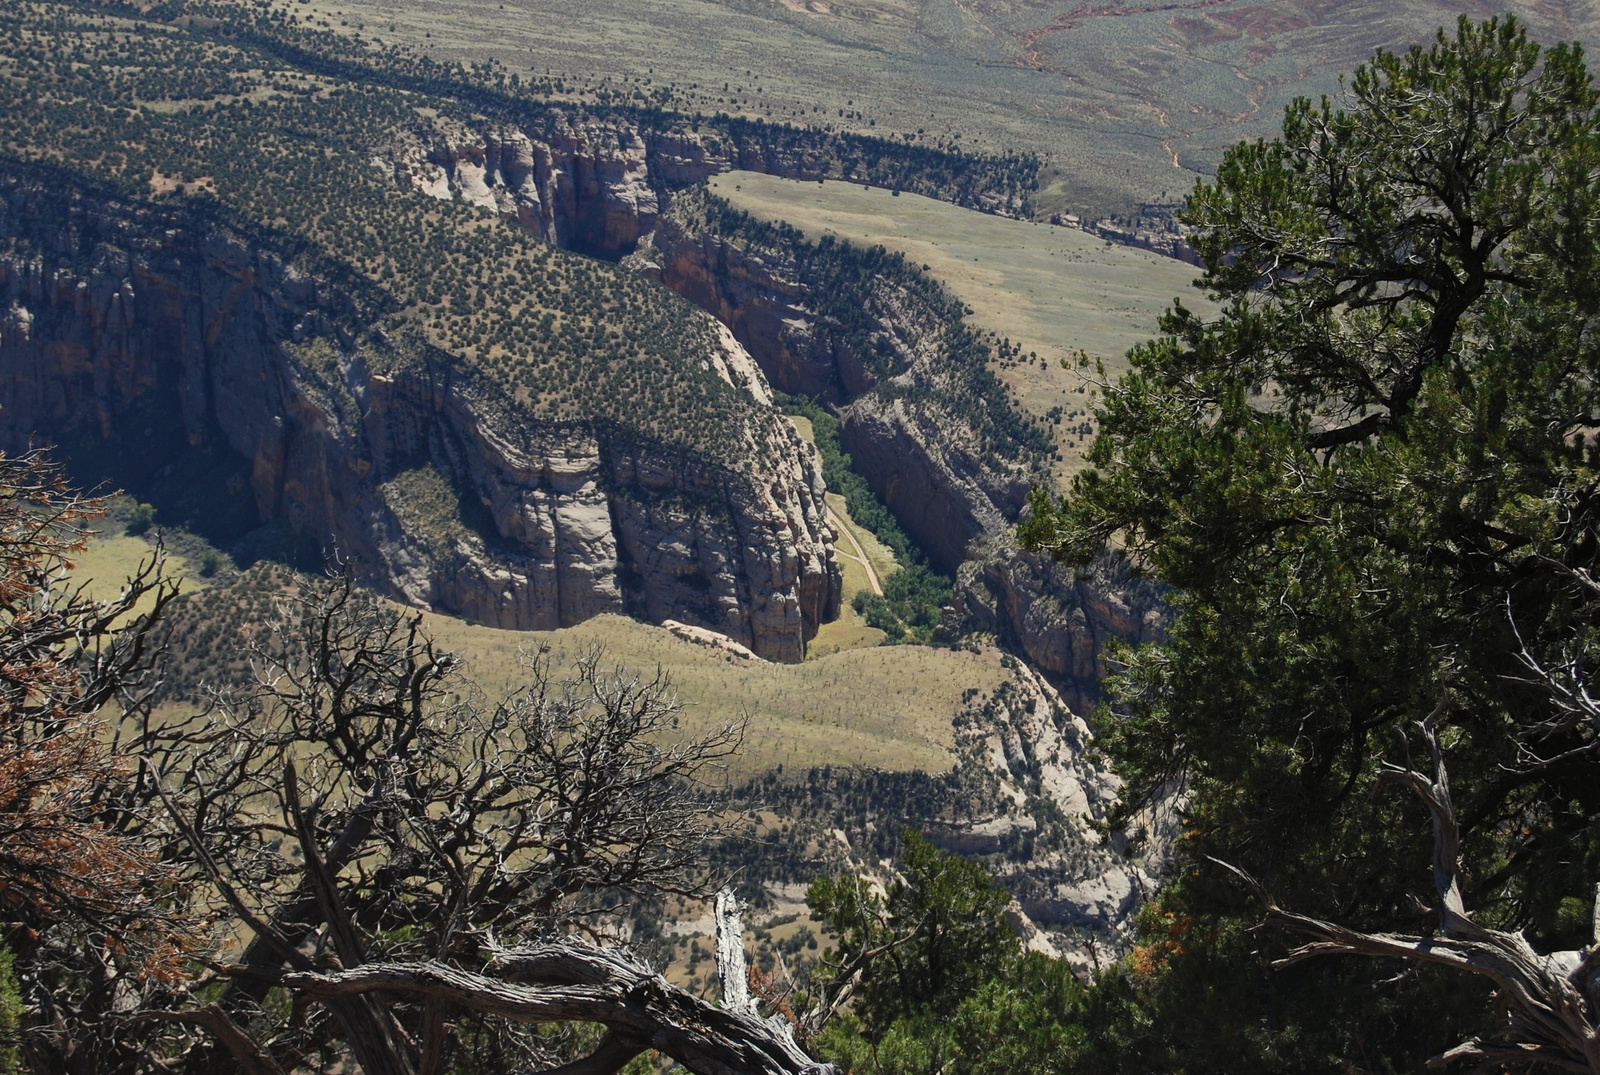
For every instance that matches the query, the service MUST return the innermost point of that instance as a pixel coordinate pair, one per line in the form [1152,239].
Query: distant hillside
[1126,103]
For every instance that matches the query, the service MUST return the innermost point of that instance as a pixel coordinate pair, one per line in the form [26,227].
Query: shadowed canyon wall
[151,334]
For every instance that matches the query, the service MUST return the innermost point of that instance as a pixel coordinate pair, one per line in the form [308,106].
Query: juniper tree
[1371,482]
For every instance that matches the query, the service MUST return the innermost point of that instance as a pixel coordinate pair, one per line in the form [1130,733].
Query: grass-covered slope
[1125,102]
[891,709]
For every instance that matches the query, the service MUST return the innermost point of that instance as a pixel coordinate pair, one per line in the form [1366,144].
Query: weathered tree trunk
[573,981]
[731,966]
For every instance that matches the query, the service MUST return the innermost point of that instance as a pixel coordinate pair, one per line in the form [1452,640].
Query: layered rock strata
[158,331]
[602,185]
[596,182]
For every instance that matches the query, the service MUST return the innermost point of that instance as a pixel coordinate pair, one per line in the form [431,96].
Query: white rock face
[583,185]
[702,637]
[735,366]
[1081,898]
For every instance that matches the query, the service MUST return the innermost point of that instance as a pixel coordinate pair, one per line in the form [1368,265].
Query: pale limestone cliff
[757,295]
[584,187]
[597,181]
[599,185]
[156,335]
[927,464]
[590,183]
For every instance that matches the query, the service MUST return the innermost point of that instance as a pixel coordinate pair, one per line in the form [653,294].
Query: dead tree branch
[1552,1002]
[575,981]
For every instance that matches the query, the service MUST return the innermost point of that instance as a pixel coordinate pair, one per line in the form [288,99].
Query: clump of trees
[1372,483]
[912,604]
[936,978]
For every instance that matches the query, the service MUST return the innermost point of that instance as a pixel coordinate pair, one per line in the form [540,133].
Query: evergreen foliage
[944,924]
[1026,1020]
[11,1011]
[281,157]
[953,991]
[1372,482]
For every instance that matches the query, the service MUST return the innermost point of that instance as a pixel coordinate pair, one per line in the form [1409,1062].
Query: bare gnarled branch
[574,981]
[1552,1001]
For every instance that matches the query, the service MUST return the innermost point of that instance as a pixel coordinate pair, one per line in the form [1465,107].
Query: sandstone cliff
[165,334]
[601,186]
[896,375]
[582,186]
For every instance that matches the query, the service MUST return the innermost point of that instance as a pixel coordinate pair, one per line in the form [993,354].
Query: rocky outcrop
[584,186]
[1061,619]
[590,183]
[599,185]
[926,462]
[1079,886]
[167,335]
[758,296]
[596,181]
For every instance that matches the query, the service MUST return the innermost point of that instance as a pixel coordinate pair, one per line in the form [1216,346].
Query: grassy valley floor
[886,706]
[1054,291]
[852,702]
[858,548]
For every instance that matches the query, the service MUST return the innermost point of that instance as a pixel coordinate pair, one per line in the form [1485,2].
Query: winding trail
[861,554]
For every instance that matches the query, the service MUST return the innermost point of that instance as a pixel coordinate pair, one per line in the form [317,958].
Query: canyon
[156,336]
[575,522]
[620,191]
